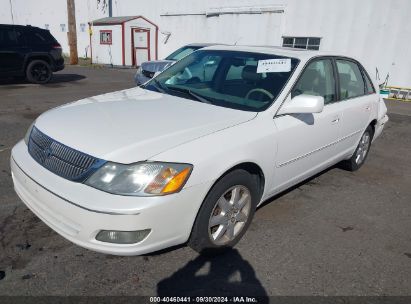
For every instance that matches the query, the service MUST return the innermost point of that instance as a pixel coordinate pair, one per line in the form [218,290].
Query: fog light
[122,237]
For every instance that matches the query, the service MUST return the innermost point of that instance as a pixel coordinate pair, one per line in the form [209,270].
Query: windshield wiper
[191,93]
[159,86]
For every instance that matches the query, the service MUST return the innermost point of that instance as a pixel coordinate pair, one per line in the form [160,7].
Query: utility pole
[72,31]
[110,8]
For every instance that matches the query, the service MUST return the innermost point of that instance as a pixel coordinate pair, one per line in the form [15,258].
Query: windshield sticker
[274,65]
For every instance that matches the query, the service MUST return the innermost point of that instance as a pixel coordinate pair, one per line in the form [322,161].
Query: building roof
[114,20]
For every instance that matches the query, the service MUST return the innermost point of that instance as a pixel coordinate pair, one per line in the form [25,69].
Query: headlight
[28,133]
[141,179]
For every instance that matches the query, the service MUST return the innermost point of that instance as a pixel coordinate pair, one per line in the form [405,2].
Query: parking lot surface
[339,233]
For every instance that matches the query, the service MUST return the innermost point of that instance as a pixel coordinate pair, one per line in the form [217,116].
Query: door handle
[367,108]
[335,120]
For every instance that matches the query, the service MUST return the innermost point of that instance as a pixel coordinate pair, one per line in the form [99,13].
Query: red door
[140,45]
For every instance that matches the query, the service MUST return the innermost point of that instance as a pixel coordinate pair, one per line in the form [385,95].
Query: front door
[141,45]
[306,142]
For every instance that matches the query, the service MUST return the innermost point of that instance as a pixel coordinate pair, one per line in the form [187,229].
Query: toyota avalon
[189,156]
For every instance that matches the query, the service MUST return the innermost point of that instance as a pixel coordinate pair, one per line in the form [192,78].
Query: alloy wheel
[363,148]
[40,72]
[229,215]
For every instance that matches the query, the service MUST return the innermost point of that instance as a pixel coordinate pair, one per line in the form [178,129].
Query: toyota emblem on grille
[48,152]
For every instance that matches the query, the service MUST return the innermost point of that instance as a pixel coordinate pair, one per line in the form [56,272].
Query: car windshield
[232,79]
[182,52]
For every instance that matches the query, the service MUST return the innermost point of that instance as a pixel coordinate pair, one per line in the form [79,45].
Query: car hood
[133,125]
[156,66]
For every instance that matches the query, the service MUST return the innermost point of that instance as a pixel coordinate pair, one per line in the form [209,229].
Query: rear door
[357,99]
[306,142]
[12,51]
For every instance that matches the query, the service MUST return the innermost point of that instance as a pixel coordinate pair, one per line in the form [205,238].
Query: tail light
[57,46]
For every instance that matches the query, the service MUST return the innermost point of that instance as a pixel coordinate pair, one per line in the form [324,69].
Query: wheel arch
[251,167]
[373,123]
[44,57]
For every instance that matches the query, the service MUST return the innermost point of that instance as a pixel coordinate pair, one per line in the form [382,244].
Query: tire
[38,71]
[218,207]
[361,153]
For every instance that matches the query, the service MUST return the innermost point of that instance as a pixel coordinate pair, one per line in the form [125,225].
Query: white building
[376,32]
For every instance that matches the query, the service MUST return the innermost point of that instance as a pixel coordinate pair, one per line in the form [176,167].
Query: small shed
[124,40]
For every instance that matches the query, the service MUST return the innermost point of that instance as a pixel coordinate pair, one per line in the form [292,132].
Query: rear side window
[39,37]
[318,80]
[351,79]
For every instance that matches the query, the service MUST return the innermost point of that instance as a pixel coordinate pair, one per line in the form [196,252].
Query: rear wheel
[226,213]
[38,71]
[361,153]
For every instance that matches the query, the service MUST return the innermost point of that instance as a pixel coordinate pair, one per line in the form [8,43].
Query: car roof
[202,45]
[301,54]
[21,26]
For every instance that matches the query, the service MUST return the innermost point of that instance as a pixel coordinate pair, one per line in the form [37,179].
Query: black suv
[29,51]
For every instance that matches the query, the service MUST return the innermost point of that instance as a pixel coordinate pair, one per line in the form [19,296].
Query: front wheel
[226,213]
[361,153]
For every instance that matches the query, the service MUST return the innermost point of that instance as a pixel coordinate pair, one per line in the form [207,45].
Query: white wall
[229,29]
[107,53]
[376,31]
[53,12]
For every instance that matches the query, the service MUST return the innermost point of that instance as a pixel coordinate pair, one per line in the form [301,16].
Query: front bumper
[78,212]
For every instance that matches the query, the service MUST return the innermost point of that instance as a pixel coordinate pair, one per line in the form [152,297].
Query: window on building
[308,43]
[105,37]
[82,27]
[63,27]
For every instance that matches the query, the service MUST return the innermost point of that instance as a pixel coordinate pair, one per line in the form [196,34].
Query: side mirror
[302,104]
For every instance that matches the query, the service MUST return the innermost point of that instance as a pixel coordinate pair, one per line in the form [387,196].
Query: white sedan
[189,156]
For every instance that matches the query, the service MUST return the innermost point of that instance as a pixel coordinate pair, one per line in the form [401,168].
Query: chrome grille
[60,159]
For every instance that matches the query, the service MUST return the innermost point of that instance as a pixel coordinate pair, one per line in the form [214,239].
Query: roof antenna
[235,43]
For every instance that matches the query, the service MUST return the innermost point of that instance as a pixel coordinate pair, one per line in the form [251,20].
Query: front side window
[351,80]
[318,80]
[229,79]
